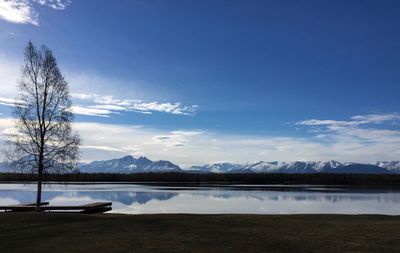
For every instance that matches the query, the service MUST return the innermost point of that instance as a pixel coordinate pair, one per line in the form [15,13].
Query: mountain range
[129,164]
[301,167]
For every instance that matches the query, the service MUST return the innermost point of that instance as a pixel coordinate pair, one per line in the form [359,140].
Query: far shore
[51,232]
[351,180]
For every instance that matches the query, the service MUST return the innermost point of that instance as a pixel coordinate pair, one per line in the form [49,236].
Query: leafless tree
[43,140]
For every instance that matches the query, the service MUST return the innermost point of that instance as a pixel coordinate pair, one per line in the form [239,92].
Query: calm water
[137,199]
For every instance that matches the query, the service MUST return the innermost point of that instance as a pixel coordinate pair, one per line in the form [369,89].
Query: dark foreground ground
[33,232]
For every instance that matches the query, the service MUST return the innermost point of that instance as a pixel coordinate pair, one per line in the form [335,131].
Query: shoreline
[230,185]
[356,180]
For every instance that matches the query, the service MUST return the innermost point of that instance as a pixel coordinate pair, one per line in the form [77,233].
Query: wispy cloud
[10,101]
[369,136]
[24,11]
[104,148]
[81,110]
[174,138]
[109,105]
[376,118]
[354,121]
[54,4]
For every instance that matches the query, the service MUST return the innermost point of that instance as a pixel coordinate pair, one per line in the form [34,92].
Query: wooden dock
[97,207]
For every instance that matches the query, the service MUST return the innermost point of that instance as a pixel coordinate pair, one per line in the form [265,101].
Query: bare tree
[43,140]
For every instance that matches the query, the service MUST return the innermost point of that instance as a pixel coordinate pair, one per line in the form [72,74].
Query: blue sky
[205,81]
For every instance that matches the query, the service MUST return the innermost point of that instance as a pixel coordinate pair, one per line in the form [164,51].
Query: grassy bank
[33,232]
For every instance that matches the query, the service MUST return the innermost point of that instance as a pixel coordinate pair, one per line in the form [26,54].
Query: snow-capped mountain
[284,167]
[296,167]
[129,164]
[389,165]
[224,167]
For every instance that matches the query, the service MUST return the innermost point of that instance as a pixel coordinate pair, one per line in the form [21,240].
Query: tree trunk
[39,190]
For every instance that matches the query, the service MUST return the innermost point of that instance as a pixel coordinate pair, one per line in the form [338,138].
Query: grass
[44,232]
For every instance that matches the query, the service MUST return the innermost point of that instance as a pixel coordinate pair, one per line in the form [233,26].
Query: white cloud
[6,125]
[115,105]
[9,74]
[105,148]
[55,4]
[174,138]
[317,122]
[10,101]
[363,137]
[18,11]
[109,107]
[354,121]
[23,11]
[81,110]
[376,118]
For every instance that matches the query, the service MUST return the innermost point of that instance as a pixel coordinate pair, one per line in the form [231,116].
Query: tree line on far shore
[392,180]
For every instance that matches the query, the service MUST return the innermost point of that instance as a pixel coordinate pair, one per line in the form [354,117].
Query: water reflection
[128,198]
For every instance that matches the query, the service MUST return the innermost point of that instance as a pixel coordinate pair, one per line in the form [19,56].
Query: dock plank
[97,207]
[32,204]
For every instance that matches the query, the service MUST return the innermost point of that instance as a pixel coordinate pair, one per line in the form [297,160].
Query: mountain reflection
[128,198]
[148,199]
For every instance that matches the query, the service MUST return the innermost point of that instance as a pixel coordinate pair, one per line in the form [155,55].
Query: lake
[211,199]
